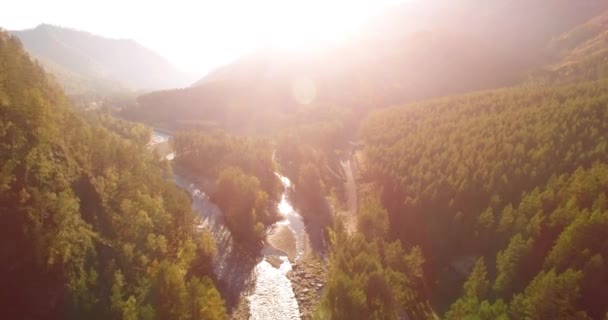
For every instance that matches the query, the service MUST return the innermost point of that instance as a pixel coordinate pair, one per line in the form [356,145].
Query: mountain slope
[580,54]
[414,52]
[91,228]
[462,176]
[83,61]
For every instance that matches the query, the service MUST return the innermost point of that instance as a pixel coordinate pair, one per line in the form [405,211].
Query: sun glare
[200,35]
[311,24]
[238,27]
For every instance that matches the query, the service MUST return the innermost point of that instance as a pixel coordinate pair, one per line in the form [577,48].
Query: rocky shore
[282,239]
[241,311]
[307,278]
[308,281]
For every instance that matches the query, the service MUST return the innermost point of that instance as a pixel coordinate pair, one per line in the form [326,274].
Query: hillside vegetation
[415,51]
[91,226]
[581,54]
[484,205]
[464,177]
[478,205]
[246,187]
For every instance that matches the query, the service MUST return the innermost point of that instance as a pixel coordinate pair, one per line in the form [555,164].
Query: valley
[444,160]
[267,290]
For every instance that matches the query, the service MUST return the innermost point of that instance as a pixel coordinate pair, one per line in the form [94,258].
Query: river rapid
[264,282]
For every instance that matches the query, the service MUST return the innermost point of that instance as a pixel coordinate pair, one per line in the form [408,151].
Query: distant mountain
[415,51]
[87,63]
[579,54]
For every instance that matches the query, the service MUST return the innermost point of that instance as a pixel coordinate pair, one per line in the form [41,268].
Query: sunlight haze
[197,36]
[304,159]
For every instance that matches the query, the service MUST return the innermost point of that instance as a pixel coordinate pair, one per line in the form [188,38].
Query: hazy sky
[199,35]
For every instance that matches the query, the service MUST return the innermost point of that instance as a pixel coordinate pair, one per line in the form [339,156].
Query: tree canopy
[92,228]
[512,175]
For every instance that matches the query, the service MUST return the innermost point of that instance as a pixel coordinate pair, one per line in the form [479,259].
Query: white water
[272,296]
[158,137]
[292,219]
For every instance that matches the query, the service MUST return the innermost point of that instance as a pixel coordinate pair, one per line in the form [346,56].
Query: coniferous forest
[91,229]
[456,172]
[508,178]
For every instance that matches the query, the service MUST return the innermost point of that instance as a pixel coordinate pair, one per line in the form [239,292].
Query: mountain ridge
[87,63]
[579,54]
[453,50]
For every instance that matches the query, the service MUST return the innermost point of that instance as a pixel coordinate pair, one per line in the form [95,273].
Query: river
[269,291]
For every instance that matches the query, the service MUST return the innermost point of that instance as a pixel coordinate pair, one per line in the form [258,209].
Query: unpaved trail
[350,187]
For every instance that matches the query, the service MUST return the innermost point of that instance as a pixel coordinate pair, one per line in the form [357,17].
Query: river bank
[308,279]
[284,281]
[308,282]
[250,283]
[309,275]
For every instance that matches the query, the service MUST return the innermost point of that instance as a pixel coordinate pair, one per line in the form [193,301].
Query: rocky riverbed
[308,278]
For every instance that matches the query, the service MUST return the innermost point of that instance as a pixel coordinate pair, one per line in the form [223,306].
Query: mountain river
[269,293]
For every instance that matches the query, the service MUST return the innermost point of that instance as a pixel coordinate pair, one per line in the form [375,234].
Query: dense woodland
[309,153]
[92,228]
[369,277]
[306,149]
[552,266]
[244,183]
[462,177]
[478,189]
[487,205]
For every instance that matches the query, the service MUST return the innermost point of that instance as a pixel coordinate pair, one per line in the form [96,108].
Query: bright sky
[197,36]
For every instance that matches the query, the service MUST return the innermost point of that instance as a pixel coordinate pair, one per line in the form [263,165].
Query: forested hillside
[502,187]
[553,266]
[448,160]
[511,170]
[371,277]
[417,51]
[581,54]
[91,227]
